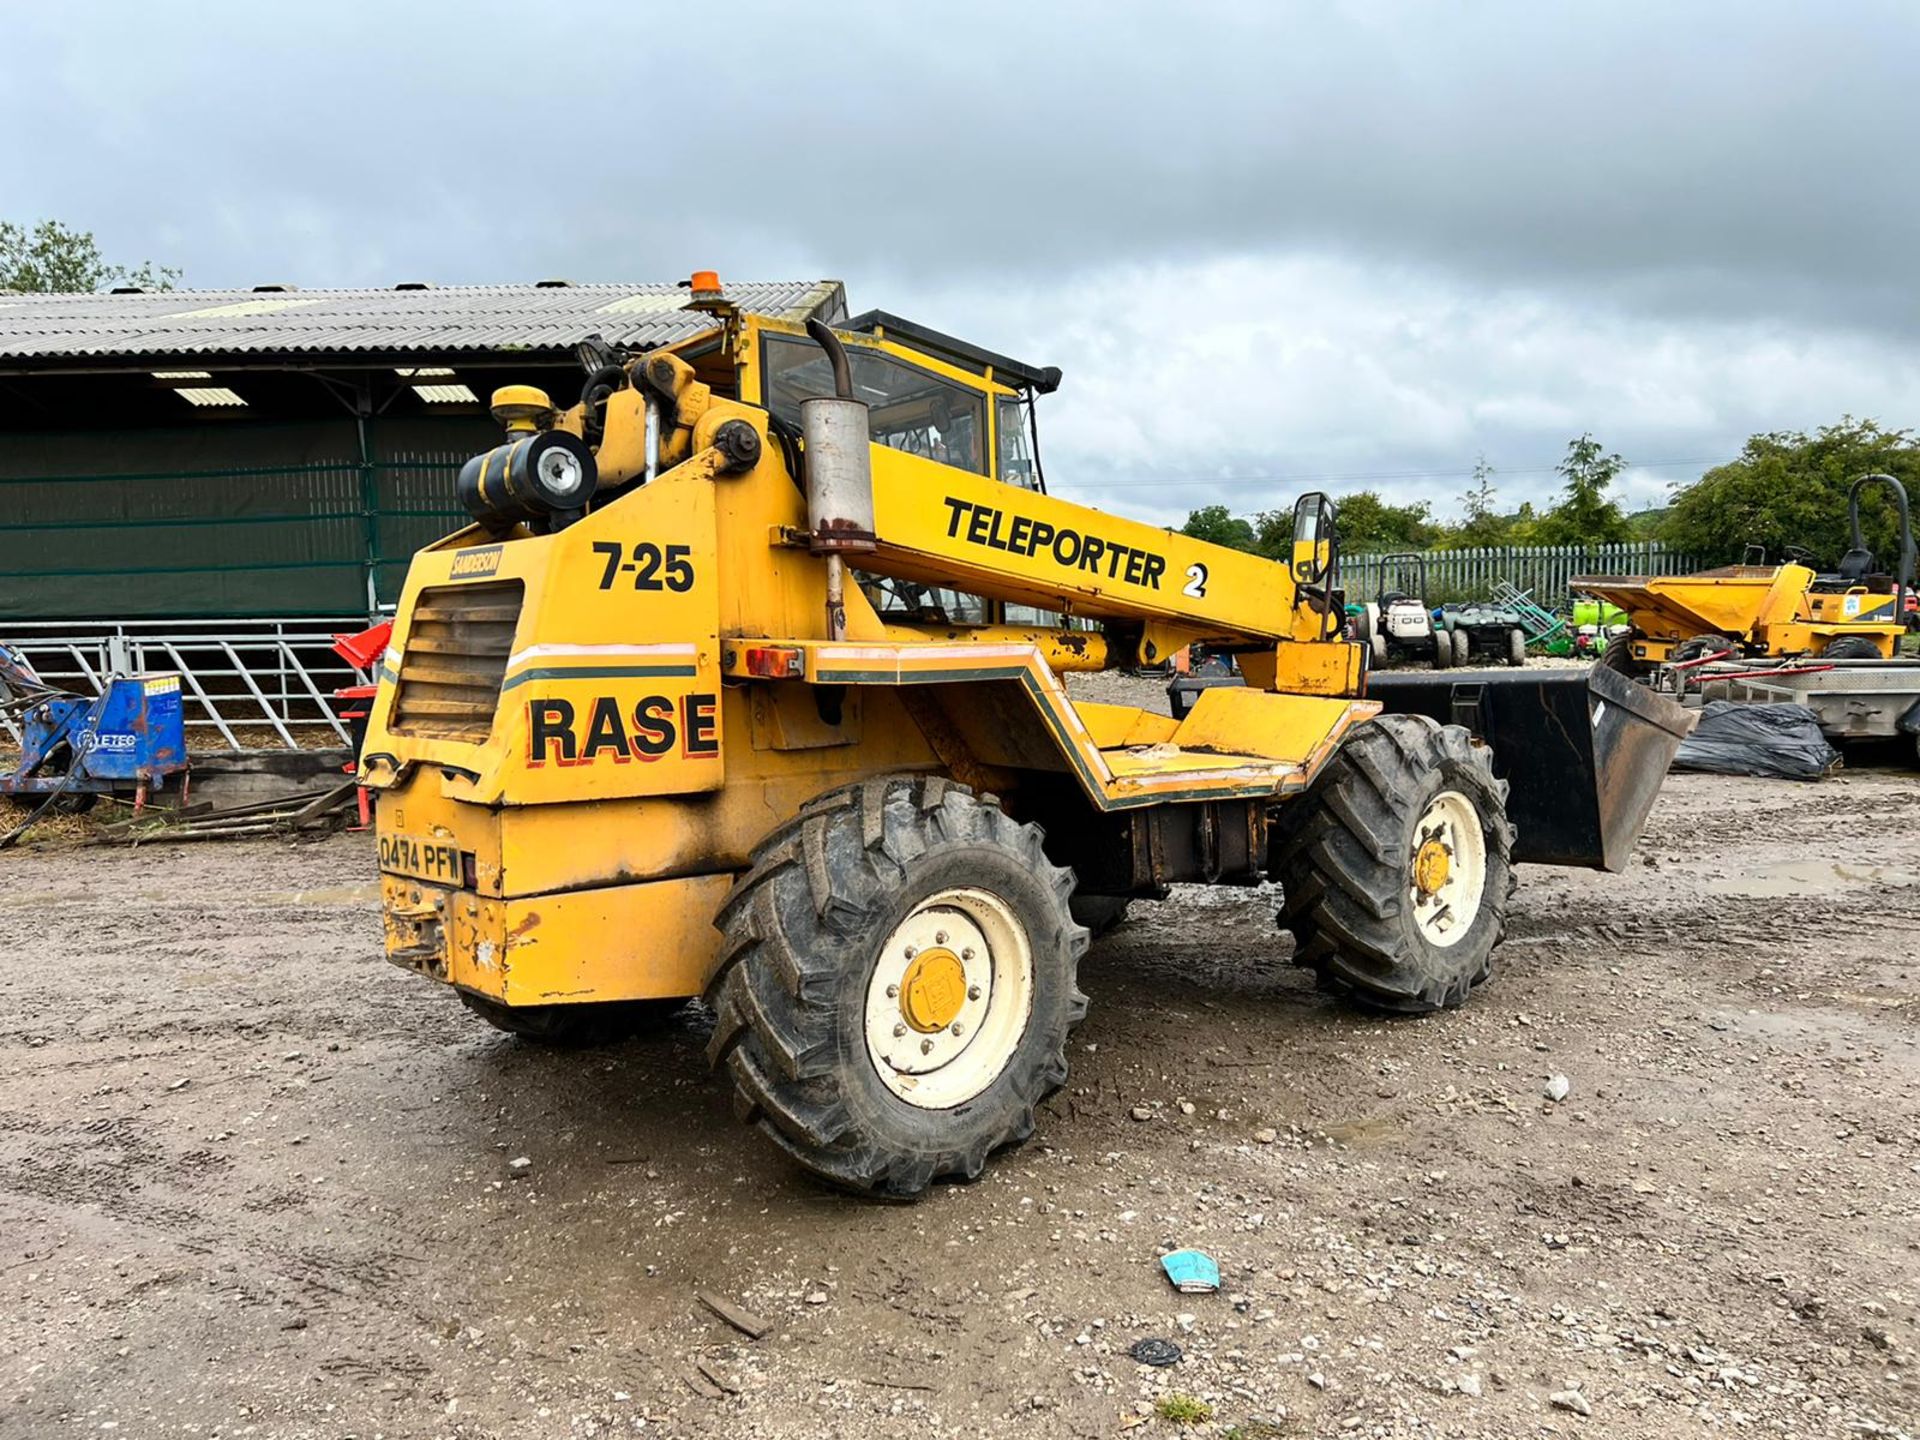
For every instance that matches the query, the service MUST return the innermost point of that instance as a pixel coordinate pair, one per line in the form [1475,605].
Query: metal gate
[244,684]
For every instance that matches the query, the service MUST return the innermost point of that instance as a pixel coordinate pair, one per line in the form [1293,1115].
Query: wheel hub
[933,990]
[1430,866]
[1447,869]
[948,998]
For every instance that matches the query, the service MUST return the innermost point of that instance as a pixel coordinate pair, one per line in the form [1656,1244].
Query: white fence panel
[1543,571]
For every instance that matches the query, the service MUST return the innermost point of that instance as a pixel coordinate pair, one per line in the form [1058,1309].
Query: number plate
[420,858]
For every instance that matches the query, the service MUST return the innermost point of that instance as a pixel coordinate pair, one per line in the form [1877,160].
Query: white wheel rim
[1447,869]
[955,936]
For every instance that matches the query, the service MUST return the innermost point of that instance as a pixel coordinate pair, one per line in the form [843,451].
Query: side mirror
[1313,538]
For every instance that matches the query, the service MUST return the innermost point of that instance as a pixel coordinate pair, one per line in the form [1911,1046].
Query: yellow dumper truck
[1858,612]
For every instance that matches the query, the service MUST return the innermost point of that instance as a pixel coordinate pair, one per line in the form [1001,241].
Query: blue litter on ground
[1192,1271]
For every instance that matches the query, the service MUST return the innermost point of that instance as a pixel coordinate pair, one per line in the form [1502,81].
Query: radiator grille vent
[455,658]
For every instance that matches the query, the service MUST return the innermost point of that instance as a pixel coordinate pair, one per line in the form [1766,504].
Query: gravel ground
[255,1181]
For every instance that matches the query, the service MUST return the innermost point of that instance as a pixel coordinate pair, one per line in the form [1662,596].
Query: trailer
[1877,700]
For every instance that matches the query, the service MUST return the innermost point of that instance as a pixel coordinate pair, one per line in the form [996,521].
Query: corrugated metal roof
[439,320]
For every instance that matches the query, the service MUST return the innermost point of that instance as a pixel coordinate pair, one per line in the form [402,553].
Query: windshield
[908,408]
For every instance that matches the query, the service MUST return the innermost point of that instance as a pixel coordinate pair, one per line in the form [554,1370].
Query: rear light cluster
[776,662]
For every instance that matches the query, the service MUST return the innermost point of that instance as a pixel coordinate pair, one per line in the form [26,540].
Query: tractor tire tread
[814,883]
[1850,647]
[1341,866]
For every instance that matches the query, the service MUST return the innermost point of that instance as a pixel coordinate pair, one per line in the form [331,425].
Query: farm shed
[278,453]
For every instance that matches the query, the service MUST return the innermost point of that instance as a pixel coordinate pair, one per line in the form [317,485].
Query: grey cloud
[1718,153]
[1672,224]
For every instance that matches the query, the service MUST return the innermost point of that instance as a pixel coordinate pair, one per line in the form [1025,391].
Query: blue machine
[129,736]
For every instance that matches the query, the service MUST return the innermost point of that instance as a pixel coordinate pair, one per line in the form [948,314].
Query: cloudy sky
[1273,246]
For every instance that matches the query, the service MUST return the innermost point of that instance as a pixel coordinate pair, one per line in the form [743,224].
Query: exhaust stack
[839,477]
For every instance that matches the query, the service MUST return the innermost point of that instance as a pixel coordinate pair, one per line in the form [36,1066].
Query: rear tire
[1395,866]
[1516,647]
[1099,913]
[1851,647]
[574,1027]
[821,985]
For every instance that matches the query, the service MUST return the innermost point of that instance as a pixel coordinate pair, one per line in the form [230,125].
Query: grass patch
[1183,1409]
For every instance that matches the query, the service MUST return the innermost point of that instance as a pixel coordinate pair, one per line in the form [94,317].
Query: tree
[1273,535]
[1585,514]
[1220,526]
[1367,525]
[1790,488]
[1523,526]
[50,257]
[1483,525]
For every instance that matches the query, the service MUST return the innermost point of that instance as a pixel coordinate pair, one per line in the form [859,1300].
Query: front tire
[1395,866]
[1516,647]
[897,984]
[1618,657]
[1443,649]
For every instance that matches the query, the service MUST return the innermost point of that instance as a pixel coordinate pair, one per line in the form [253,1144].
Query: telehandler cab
[747,683]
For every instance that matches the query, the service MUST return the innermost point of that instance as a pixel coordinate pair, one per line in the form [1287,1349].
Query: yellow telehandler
[747,682]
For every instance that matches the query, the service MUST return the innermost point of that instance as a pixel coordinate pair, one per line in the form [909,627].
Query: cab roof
[961,354]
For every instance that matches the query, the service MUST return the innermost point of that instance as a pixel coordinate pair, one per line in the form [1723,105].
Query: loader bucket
[1583,751]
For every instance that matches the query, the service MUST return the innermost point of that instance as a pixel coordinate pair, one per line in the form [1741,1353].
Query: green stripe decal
[601,672]
[919,677]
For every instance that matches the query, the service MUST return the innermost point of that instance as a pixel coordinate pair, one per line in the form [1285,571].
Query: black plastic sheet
[1782,741]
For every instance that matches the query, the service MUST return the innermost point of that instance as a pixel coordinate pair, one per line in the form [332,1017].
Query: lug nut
[911,952]
[939,937]
[926,1047]
[967,954]
[899,1032]
[956,1027]
[973,992]
[893,992]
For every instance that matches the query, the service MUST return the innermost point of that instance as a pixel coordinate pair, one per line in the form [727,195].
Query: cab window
[907,408]
[896,599]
